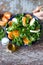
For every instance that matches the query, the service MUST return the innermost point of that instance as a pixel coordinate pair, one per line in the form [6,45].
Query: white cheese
[32,22]
[35,31]
[15,20]
[5,41]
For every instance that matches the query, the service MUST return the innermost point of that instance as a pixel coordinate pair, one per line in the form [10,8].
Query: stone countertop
[32,55]
[19,6]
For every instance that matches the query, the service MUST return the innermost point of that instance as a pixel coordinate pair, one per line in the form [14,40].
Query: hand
[38,13]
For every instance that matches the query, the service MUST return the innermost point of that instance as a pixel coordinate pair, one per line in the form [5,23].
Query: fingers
[41,18]
[37,9]
[36,14]
[39,15]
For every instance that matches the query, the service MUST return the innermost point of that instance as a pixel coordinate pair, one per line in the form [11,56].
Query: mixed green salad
[23,29]
[2,33]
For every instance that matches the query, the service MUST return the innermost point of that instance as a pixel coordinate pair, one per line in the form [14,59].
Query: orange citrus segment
[7,15]
[24,21]
[10,23]
[3,23]
[10,35]
[28,15]
[16,33]
[26,41]
[4,19]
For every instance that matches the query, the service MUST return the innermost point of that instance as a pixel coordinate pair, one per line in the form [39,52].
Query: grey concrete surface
[25,55]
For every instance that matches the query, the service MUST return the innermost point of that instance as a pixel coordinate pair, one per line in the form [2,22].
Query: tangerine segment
[10,23]
[3,23]
[10,35]
[26,41]
[28,15]
[4,19]
[16,33]
[7,15]
[24,21]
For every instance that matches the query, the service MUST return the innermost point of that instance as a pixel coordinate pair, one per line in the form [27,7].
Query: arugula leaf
[2,33]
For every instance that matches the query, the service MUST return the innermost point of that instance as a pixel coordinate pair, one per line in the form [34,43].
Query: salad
[23,29]
[2,33]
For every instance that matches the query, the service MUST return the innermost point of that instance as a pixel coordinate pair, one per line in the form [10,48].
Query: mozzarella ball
[15,20]
[5,41]
[32,22]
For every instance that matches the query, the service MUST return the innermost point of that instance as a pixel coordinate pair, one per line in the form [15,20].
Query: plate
[13,18]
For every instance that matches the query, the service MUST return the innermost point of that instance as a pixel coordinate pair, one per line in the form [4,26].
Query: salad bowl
[21,30]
